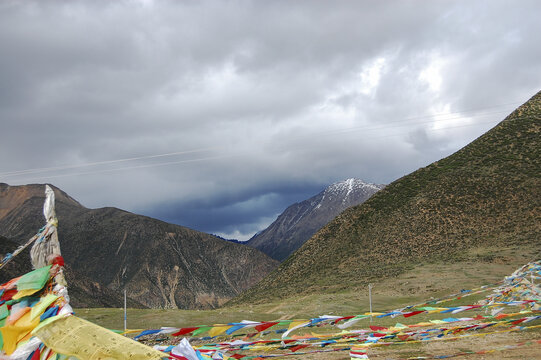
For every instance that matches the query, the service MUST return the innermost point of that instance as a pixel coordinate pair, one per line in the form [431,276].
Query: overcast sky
[217,115]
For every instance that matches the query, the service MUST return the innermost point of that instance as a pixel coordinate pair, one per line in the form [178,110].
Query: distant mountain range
[302,220]
[159,264]
[464,209]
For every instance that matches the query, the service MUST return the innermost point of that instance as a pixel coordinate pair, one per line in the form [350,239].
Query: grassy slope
[477,209]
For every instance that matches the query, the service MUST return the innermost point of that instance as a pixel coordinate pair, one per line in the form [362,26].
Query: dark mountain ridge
[83,291]
[159,264]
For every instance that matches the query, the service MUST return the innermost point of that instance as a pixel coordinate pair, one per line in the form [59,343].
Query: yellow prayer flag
[217,330]
[297,323]
[74,336]
[23,293]
[40,307]
[14,333]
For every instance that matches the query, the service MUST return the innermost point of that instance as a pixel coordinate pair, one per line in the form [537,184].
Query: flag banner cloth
[36,319]
[74,336]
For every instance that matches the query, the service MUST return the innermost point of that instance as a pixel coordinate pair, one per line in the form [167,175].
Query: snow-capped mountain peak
[348,188]
[300,221]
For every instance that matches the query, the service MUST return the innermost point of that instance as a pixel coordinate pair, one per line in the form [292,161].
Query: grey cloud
[275,96]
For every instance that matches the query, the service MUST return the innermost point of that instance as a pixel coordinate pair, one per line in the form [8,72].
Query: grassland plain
[433,348]
[411,287]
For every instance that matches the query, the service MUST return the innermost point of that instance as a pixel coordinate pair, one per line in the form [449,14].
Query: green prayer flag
[4,312]
[35,279]
[201,330]
[284,322]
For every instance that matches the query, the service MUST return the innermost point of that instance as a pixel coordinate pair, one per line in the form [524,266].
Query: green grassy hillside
[475,210]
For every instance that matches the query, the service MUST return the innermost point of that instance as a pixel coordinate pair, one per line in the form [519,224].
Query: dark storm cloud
[235,215]
[275,99]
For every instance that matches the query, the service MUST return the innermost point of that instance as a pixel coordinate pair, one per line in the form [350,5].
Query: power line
[19,172]
[130,167]
[358,128]
[328,132]
[219,157]
[67,167]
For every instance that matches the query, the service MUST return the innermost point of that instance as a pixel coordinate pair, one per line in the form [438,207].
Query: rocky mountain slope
[83,291]
[159,264]
[466,207]
[302,220]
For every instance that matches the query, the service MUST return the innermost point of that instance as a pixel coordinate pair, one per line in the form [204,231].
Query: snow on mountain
[301,220]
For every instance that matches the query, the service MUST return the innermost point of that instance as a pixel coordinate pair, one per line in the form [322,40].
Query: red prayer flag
[178,357]
[36,355]
[184,331]
[413,313]
[298,347]
[344,318]
[265,326]
[58,260]
[237,356]
[7,295]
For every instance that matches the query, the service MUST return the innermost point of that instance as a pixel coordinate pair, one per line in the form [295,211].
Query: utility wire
[401,121]
[328,132]
[19,172]
[30,171]
[356,129]
[225,156]
[130,167]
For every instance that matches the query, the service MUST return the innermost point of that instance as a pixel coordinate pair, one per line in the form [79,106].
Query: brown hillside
[83,291]
[160,264]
